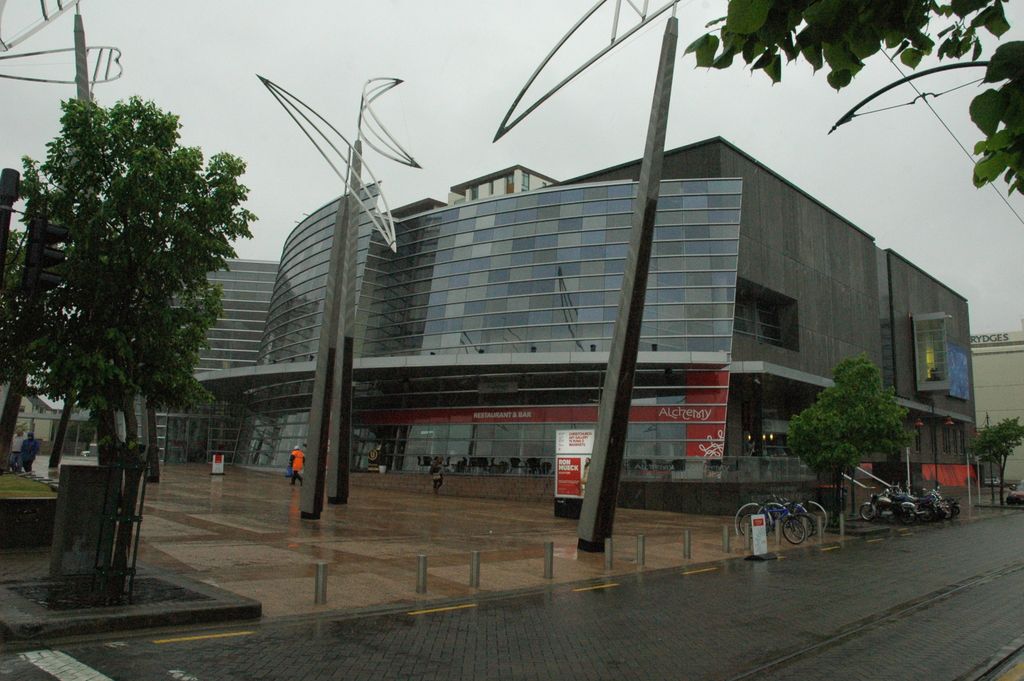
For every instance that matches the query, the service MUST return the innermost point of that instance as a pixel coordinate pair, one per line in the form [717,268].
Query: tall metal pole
[598,513]
[81,60]
[323,389]
[340,404]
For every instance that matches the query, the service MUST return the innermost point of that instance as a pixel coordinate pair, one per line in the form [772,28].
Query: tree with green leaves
[849,420]
[842,34]
[148,219]
[995,444]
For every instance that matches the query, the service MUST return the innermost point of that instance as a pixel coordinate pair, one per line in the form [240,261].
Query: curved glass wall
[537,272]
[542,272]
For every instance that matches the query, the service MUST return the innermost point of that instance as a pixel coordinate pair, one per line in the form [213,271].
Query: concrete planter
[26,522]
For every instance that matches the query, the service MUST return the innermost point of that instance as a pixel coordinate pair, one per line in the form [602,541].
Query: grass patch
[13,486]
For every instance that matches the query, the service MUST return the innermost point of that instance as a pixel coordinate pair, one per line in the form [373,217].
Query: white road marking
[62,666]
[179,675]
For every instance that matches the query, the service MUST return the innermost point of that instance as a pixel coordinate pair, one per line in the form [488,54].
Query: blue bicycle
[797,523]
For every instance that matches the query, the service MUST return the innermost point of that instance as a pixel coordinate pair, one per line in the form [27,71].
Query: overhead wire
[935,113]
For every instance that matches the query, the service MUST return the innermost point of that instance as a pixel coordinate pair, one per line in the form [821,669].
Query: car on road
[1016,496]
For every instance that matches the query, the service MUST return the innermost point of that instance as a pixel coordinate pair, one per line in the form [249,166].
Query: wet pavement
[937,602]
[242,532]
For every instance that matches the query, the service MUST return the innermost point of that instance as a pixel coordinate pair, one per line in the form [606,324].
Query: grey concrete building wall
[795,246]
[914,291]
[792,245]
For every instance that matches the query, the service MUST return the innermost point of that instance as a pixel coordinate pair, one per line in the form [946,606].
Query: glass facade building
[490,328]
[489,331]
[234,343]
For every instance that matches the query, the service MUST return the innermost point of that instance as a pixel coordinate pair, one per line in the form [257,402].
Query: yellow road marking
[697,572]
[904,533]
[450,607]
[201,637]
[1015,673]
[599,586]
[830,548]
[872,541]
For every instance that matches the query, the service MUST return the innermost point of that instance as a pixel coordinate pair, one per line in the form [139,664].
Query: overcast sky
[897,175]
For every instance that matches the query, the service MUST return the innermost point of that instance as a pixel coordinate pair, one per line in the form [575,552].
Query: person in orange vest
[296,461]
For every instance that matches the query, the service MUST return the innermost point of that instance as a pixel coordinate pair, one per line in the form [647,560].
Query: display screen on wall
[959,376]
[930,346]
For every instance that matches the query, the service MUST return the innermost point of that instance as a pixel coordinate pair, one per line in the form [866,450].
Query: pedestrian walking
[437,473]
[14,457]
[29,450]
[297,459]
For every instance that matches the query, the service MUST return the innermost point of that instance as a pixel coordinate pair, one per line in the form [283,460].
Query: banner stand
[572,464]
[759,539]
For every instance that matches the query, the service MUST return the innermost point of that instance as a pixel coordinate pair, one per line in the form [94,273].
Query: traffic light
[8,195]
[41,253]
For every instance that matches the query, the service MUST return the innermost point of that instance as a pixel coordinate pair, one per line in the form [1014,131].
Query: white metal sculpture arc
[106,65]
[375,130]
[646,17]
[49,10]
[307,119]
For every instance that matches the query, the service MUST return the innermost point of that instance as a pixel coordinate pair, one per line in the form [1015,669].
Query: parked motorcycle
[893,501]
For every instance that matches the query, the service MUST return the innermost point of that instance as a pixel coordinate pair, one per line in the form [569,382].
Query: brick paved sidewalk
[242,532]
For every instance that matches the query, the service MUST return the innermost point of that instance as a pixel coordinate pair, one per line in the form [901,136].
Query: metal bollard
[549,559]
[641,549]
[778,532]
[821,529]
[687,545]
[608,546]
[421,574]
[320,591]
[725,538]
[474,569]
[842,527]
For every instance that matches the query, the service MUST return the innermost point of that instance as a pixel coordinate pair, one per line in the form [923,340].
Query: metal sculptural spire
[315,126]
[369,123]
[106,65]
[330,415]
[646,18]
[49,10]
[597,513]
[106,60]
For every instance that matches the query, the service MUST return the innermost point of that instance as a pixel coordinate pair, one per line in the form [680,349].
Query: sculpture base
[590,546]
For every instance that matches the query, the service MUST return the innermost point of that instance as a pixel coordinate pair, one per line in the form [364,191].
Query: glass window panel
[727,216]
[724,201]
[621,191]
[725,186]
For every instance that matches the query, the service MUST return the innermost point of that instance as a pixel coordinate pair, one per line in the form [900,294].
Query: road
[936,602]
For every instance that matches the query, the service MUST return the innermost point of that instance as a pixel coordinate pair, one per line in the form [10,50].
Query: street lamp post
[948,432]
[918,425]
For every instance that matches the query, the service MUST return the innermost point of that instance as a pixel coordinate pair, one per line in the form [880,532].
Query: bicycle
[775,512]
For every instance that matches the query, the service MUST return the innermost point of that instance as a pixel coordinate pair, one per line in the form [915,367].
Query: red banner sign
[571,476]
[588,414]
